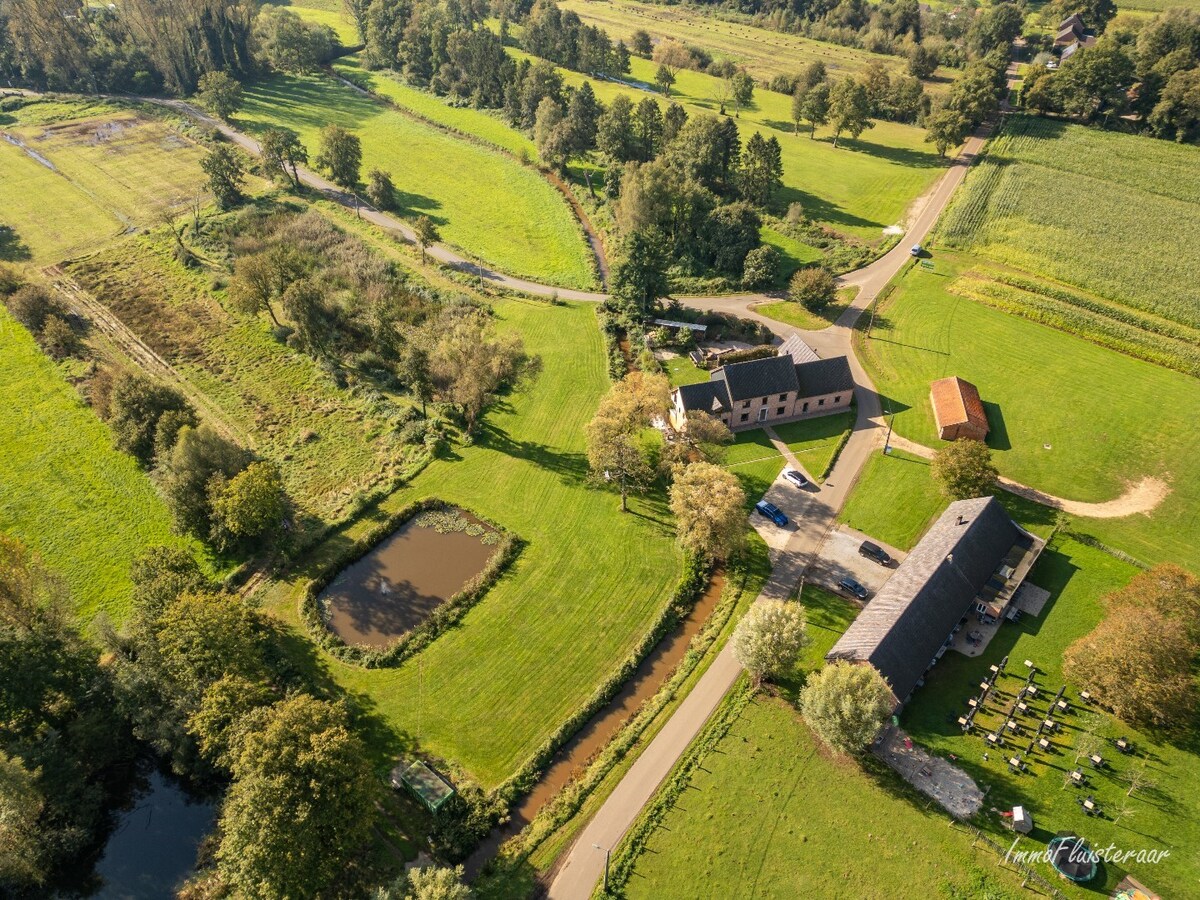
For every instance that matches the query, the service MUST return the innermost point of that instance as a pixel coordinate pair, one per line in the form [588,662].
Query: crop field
[482,200]
[768,812]
[84,508]
[762,51]
[329,443]
[582,593]
[1112,214]
[1068,417]
[1165,816]
[108,168]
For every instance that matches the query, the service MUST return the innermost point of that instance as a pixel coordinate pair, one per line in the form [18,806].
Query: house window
[821,402]
[779,411]
[766,400]
[837,399]
[745,417]
[805,407]
[745,404]
[782,397]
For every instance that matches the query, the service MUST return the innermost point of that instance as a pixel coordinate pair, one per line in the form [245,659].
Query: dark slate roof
[904,626]
[760,377]
[824,376]
[701,396]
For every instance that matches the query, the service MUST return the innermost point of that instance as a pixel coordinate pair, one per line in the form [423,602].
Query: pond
[152,849]
[406,577]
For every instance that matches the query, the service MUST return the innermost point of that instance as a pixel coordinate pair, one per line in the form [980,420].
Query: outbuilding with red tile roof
[957,410]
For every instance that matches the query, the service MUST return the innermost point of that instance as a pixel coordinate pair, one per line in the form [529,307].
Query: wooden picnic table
[1023,707]
[1077,776]
[1044,744]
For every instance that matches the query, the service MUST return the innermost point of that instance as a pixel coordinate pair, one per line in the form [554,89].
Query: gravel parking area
[839,558]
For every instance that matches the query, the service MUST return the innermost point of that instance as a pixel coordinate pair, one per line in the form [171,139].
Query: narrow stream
[643,684]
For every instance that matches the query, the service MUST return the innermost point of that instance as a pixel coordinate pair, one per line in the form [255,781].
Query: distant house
[957,410]
[973,559]
[767,391]
[1070,30]
[1086,41]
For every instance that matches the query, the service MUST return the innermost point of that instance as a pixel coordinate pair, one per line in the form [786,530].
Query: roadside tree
[226,175]
[813,287]
[220,92]
[964,469]
[845,705]
[768,640]
[710,510]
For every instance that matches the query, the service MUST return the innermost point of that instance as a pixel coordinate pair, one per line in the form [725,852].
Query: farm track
[137,351]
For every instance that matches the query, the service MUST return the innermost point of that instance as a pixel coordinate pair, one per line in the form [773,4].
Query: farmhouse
[1070,30]
[973,559]
[957,410]
[765,391]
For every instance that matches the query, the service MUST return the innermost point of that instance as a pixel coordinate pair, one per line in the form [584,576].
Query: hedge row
[611,329]
[446,615]
[567,803]
[842,441]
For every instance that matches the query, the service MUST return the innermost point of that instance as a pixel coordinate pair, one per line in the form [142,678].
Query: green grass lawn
[1166,816]
[793,254]
[1138,244]
[681,370]
[790,313]
[112,167]
[482,200]
[770,813]
[1068,417]
[331,13]
[580,596]
[85,508]
[814,441]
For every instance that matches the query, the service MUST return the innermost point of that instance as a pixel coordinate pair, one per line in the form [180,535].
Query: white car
[795,478]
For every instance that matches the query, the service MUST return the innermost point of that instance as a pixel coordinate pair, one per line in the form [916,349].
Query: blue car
[772,512]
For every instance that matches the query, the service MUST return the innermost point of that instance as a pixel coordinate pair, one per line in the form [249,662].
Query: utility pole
[887,442]
[606,854]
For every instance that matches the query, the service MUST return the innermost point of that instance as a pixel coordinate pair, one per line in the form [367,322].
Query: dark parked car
[796,478]
[875,552]
[772,512]
[853,588]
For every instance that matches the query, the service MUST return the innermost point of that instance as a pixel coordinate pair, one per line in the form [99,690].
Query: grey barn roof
[904,626]
[761,378]
[825,376]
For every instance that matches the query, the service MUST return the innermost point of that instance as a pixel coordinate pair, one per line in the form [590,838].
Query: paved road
[813,515]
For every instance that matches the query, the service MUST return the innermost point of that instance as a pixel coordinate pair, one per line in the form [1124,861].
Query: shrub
[10,280]
[761,267]
[845,704]
[32,304]
[813,288]
[135,406]
[964,469]
[59,338]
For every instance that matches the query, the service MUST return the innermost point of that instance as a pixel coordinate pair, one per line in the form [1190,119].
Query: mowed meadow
[584,590]
[483,201]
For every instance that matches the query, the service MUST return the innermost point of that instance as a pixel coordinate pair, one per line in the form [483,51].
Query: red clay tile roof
[956,402]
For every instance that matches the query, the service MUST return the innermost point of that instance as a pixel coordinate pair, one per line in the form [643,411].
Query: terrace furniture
[964,723]
[995,670]
[1063,706]
[1077,777]
[1124,746]
[1050,725]
[1012,726]
[1015,763]
[1085,696]
[994,739]
[973,703]
[985,686]
[1089,805]
[1023,707]
[1097,760]
[1029,664]
[1044,744]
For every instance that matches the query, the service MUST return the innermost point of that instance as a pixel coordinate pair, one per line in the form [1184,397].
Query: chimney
[960,520]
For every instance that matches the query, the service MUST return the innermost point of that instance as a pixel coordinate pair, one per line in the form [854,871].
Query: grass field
[328,12]
[1165,816]
[755,461]
[1136,239]
[483,201]
[681,370]
[769,813]
[107,168]
[794,314]
[1067,417]
[86,509]
[579,597]
[762,51]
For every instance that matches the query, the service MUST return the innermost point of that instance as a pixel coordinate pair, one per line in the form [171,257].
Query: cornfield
[1116,215]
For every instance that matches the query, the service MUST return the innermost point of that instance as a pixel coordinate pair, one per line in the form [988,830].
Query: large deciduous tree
[964,469]
[469,363]
[226,175]
[845,705]
[340,156]
[220,92]
[283,154]
[710,510]
[813,287]
[617,455]
[768,640]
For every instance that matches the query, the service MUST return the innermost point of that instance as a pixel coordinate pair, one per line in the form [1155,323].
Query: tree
[616,454]
[922,61]
[468,364]
[381,193]
[673,121]
[220,92]
[845,705]
[21,805]
[225,174]
[710,510]
[302,803]
[813,287]
[1138,660]
[426,234]
[762,169]
[582,120]
[768,640]
[162,574]
[33,304]
[816,107]
[340,156]
[428,883]
[59,339]
[304,303]
[248,507]
[135,406]
[964,469]
[283,154]
[703,438]
[639,277]
[648,128]
[198,455]
[664,77]
[945,128]
[260,278]
[550,135]
[640,44]
[741,90]
[849,109]
[761,268]
[289,44]
[614,131]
